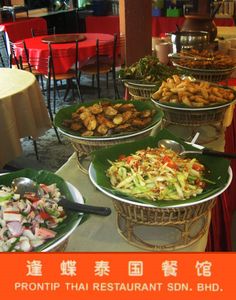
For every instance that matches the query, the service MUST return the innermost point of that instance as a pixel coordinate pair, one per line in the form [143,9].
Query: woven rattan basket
[85,146]
[139,91]
[181,219]
[212,75]
[194,117]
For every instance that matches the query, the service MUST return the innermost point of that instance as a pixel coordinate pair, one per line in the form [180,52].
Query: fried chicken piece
[87,133]
[67,123]
[102,129]
[117,106]
[127,115]
[75,116]
[141,122]
[110,111]
[118,119]
[102,120]
[96,108]
[145,113]
[76,126]
[81,109]
[90,123]
[85,114]
[123,128]
[126,107]
[105,103]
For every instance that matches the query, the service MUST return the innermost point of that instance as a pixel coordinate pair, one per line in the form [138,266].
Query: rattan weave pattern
[140,92]
[182,219]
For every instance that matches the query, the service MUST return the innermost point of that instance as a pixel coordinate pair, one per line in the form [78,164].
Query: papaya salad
[29,221]
[157,174]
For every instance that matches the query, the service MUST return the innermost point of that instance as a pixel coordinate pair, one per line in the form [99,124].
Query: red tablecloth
[21,29]
[107,24]
[87,48]
[161,25]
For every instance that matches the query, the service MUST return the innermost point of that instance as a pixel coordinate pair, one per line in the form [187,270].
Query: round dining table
[38,48]
[23,112]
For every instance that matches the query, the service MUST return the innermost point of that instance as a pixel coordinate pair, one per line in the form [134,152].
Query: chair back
[70,55]
[20,60]
[46,31]
[106,52]
[120,51]
[5,58]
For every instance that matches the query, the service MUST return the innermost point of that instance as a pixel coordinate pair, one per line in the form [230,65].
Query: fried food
[102,129]
[193,93]
[110,111]
[205,59]
[105,118]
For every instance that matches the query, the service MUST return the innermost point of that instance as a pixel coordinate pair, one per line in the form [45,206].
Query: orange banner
[89,276]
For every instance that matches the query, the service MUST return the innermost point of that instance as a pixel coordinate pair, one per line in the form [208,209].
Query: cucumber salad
[157,174]
[29,221]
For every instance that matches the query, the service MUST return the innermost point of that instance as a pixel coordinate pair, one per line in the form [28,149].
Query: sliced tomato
[198,167]
[44,187]
[129,159]
[170,163]
[166,159]
[122,157]
[31,197]
[44,215]
[200,183]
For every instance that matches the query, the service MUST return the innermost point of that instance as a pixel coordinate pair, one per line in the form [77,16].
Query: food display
[148,70]
[191,93]
[107,118]
[205,59]
[148,175]
[157,174]
[29,221]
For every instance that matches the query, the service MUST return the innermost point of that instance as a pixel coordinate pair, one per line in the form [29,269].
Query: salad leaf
[217,168]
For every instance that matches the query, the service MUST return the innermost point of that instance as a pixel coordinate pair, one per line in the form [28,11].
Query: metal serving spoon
[22,185]
[178,148]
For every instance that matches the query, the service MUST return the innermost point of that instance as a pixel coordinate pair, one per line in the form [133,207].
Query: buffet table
[21,29]
[23,112]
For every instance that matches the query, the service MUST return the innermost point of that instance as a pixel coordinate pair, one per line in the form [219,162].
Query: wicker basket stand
[211,75]
[188,224]
[140,91]
[84,147]
[191,121]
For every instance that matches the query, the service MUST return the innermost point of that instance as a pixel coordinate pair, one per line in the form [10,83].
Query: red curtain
[219,238]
